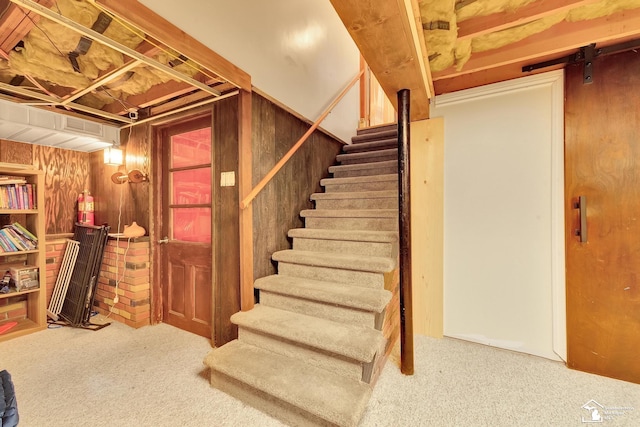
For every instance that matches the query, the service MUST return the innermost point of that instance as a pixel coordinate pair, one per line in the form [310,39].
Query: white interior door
[503,239]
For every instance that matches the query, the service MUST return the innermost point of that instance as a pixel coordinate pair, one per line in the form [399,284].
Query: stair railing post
[404,215]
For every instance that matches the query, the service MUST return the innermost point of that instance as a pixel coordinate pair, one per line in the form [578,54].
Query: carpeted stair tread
[337,400]
[353,342]
[362,166]
[349,213]
[377,128]
[371,145]
[359,179]
[367,154]
[380,194]
[373,300]
[340,261]
[380,134]
[346,235]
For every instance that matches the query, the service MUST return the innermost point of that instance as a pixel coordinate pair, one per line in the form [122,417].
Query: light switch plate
[227,179]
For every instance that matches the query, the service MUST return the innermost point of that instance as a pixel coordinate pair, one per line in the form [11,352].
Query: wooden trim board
[427,224]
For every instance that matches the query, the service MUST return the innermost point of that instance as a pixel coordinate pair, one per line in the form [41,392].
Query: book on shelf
[22,230]
[16,238]
[18,196]
[6,244]
[19,241]
[5,180]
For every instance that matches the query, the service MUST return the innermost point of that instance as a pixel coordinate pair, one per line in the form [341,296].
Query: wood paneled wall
[136,143]
[276,209]
[66,175]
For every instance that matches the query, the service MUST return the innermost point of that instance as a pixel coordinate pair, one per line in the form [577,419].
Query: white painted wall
[503,210]
[297,52]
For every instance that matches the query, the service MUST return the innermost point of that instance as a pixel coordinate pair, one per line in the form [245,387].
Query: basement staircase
[311,350]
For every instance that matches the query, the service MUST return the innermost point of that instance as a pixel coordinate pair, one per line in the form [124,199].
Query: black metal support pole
[404,214]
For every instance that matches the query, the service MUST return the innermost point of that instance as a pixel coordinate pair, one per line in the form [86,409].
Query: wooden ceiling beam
[382,30]
[559,38]
[482,25]
[168,34]
[16,23]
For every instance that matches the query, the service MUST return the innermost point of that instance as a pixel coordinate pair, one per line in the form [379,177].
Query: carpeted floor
[154,376]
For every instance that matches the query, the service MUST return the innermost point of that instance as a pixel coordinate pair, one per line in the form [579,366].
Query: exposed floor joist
[556,41]
[482,25]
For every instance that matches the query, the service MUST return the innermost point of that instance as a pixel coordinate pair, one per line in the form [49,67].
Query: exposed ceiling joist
[481,25]
[96,36]
[382,30]
[52,101]
[102,81]
[162,30]
[15,24]
[558,39]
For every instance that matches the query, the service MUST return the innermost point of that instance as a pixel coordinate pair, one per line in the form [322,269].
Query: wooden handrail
[258,188]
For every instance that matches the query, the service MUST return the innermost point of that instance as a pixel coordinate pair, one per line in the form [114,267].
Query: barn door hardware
[586,54]
[587,72]
[581,205]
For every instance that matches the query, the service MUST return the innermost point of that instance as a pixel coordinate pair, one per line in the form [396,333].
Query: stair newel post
[404,215]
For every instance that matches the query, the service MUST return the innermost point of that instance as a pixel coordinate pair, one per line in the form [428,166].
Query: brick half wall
[125,262]
[132,270]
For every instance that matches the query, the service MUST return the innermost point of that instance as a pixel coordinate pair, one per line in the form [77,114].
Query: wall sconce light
[113,156]
[134,176]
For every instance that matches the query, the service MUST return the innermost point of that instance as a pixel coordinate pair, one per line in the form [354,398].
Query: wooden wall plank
[245,166]
[227,231]
[276,209]
[264,205]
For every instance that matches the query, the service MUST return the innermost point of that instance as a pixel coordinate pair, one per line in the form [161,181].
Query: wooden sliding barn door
[602,156]
[186,249]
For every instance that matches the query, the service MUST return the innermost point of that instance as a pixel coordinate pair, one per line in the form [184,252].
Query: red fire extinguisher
[85,208]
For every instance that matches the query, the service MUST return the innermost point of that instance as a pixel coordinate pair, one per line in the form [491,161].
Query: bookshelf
[33,220]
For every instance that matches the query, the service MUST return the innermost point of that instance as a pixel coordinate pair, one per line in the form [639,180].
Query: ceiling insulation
[434,11]
[472,9]
[42,56]
[77,55]
[446,50]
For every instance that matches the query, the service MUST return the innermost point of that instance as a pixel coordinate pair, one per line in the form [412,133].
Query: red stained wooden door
[602,163]
[187,279]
